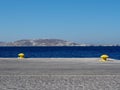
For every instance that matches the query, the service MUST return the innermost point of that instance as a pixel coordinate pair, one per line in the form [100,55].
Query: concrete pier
[59,74]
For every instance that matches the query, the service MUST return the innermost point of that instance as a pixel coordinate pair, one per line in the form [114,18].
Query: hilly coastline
[40,42]
[49,42]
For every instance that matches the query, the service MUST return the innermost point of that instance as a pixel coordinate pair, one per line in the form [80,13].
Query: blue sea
[61,52]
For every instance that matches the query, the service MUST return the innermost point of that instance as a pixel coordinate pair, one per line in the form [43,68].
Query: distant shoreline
[48,43]
[60,46]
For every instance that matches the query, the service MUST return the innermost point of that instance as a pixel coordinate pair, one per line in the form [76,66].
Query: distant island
[45,42]
[39,42]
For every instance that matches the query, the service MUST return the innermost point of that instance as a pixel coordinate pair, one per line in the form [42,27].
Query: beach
[59,74]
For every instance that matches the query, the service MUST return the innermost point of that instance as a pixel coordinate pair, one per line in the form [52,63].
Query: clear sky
[83,21]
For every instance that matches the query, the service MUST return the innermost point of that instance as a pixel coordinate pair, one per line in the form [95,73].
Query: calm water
[66,52]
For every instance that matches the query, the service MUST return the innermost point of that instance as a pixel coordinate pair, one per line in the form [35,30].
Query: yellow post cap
[104,56]
[21,55]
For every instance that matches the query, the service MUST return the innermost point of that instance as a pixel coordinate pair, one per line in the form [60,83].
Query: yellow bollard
[104,58]
[21,55]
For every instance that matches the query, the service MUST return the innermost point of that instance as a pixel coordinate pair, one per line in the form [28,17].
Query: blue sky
[83,21]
